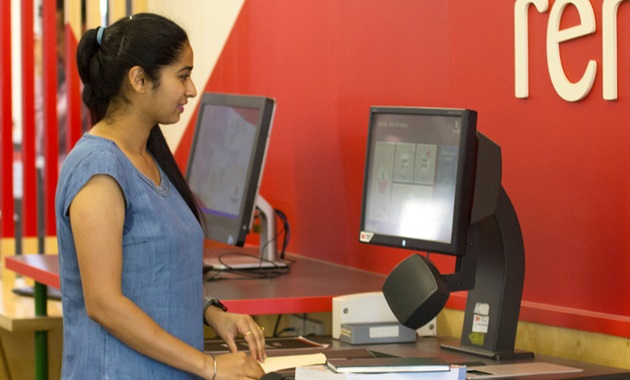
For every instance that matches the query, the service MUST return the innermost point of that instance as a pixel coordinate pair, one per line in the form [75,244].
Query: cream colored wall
[208,23]
[554,341]
[17,352]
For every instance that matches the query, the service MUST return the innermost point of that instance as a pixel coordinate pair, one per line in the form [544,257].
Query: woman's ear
[137,79]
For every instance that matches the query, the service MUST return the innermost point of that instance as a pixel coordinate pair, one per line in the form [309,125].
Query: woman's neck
[131,138]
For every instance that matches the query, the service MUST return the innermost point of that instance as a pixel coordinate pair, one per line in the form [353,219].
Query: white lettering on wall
[609,48]
[570,91]
[564,87]
[521,44]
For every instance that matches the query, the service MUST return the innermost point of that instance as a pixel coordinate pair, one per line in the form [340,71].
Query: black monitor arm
[484,205]
[493,266]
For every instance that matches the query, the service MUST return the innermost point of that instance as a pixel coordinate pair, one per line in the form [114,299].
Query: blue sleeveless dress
[161,271]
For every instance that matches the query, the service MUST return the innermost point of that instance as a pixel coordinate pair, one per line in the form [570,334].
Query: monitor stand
[493,267]
[237,258]
[493,304]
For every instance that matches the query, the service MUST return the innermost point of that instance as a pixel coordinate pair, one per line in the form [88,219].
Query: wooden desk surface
[430,347]
[307,288]
[41,268]
[17,313]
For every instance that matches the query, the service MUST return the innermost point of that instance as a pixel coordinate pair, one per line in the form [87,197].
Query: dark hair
[105,56]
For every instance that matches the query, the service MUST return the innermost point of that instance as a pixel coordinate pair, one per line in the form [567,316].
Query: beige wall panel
[117,10]
[560,342]
[208,24]
[138,6]
[92,14]
[72,17]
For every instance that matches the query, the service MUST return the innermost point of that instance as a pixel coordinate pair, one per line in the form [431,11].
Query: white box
[368,307]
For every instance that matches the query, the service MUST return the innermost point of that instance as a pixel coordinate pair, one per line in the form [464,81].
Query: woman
[130,240]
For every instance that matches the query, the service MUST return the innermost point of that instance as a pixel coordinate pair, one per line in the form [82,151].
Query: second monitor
[225,168]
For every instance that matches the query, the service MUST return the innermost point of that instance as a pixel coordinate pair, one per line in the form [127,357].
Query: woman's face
[175,87]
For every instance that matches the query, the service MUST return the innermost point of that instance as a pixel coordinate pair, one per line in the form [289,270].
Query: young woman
[130,240]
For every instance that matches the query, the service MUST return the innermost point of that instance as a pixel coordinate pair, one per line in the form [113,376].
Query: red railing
[6,123]
[37,130]
[29,195]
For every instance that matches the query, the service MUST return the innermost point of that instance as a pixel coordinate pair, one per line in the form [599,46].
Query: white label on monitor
[365,236]
[480,323]
[384,331]
[482,308]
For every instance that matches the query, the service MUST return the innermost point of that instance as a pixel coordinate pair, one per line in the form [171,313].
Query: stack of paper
[388,364]
[322,372]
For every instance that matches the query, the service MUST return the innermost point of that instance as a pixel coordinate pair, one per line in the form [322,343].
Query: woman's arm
[97,216]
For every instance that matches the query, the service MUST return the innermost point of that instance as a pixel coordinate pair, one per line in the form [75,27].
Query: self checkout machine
[433,184]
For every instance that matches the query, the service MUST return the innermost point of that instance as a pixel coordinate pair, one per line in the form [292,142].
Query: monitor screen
[419,175]
[226,162]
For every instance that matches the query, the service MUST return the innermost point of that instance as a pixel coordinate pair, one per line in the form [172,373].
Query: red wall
[564,164]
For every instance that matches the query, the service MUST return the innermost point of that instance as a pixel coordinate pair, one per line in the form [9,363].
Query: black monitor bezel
[216,225]
[464,187]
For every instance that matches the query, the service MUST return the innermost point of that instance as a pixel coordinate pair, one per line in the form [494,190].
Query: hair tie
[99,35]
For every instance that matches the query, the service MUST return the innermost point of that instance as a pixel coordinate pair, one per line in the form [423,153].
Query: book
[388,364]
[322,372]
[518,369]
[278,363]
[290,343]
[354,353]
[282,362]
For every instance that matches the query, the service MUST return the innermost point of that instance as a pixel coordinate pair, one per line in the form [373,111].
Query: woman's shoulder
[94,155]
[89,143]
[91,156]
[92,149]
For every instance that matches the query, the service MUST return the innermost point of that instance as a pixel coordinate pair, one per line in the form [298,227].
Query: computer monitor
[225,169]
[433,184]
[419,178]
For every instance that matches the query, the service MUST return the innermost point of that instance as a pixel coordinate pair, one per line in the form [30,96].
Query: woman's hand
[233,366]
[230,325]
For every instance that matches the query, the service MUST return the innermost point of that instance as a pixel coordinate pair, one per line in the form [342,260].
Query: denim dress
[161,269]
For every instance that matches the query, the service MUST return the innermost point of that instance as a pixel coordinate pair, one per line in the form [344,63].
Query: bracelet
[214,364]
